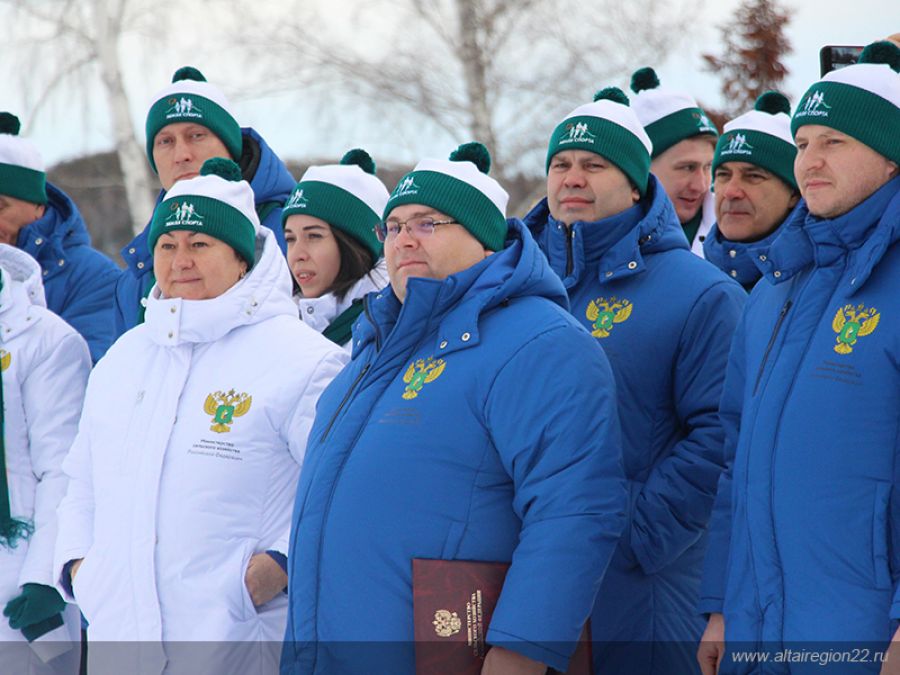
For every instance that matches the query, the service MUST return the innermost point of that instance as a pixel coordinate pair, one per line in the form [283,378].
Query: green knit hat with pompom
[22,174]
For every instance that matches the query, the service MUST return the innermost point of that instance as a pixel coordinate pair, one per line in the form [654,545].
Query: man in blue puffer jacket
[189,122]
[476,421]
[804,549]
[39,218]
[665,318]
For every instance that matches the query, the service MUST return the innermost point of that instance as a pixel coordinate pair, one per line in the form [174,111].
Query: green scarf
[11,529]
[340,330]
[690,227]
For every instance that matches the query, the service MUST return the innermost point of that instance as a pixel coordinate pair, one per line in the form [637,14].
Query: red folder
[453,601]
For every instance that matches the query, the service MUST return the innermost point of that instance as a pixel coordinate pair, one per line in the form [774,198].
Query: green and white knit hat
[217,202]
[607,127]
[347,196]
[22,172]
[669,116]
[862,100]
[190,98]
[761,137]
[461,188]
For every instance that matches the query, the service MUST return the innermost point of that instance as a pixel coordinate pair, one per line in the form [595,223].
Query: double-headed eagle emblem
[420,373]
[446,623]
[603,314]
[224,407]
[852,323]
[5,359]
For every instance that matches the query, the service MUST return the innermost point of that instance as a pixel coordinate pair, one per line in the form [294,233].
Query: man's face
[447,250]
[835,172]
[750,201]
[14,215]
[583,186]
[180,149]
[684,172]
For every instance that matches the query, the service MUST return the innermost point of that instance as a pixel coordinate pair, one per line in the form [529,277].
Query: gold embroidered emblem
[224,407]
[420,373]
[5,359]
[852,323]
[446,623]
[603,314]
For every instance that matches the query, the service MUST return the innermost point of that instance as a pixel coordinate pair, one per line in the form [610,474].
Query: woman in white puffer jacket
[175,526]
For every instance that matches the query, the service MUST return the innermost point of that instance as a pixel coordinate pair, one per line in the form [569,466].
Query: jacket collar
[61,227]
[736,258]
[21,293]
[320,312]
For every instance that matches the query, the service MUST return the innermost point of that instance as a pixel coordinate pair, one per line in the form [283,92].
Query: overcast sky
[62,132]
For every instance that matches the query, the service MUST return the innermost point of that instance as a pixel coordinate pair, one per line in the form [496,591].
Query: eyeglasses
[418,227]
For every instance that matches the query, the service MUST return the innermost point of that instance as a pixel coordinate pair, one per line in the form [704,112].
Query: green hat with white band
[22,174]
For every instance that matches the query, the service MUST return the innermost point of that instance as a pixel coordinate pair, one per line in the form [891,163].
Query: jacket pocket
[248,609]
[81,587]
[880,559]
[454,537]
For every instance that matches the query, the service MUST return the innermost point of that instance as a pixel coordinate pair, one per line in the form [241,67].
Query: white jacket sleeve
[52,397]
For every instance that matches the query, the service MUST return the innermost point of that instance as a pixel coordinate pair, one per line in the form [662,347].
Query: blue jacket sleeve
[712,589]
[671,512]
[552,417]
[273,222]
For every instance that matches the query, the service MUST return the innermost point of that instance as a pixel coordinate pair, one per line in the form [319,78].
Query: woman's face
[195,266]
[312,254]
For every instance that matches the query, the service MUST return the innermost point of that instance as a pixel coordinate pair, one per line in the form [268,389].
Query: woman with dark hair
[332,249]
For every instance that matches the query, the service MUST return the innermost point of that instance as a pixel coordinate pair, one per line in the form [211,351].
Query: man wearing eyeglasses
[462,429]
[665,319]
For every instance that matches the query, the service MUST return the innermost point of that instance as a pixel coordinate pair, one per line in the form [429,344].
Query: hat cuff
[469,206]
[758,148]
[23,183]
[857,112]
[339,208]
[678,126]
[209,216]
[203,111]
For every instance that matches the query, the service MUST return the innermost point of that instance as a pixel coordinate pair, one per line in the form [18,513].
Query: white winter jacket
[318,313]
[186,464]
[45,365]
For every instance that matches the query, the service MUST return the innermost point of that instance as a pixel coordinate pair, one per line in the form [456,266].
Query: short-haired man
[754,187]
[683,140]
[804,539]
[39,218]
[189,122]
[463,429]
[659,312]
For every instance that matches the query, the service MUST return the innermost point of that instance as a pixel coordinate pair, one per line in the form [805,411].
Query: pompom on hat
[669,116]
[607,127]
[762,137]
[190,98]
[460,187]
[217,203]
[22,173]
[861,100]
[347,196]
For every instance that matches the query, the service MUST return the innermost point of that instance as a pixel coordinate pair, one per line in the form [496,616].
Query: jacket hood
[265,292]
[22,291]
[272,181]
[519,270]
[736,258]
[61,226]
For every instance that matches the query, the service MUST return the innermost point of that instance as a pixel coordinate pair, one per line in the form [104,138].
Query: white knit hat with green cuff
[669,116]
[190,98]
[461,188]
[607,127]
[862,100]
[22,174]
[761,137]
[347,196]
[218,202]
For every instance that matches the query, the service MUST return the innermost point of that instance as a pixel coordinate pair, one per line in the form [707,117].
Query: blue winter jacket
[805,539]
[736,258]
[79,281]
[665,318]
[476,421]
[272,184]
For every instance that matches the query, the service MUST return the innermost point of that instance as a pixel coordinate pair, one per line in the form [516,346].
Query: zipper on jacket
[374,325]
[762,366]
[344,401]
[570,263]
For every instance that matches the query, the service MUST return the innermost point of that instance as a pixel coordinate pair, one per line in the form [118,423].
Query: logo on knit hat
[184,215]
[737,145]
[297,201]
[407,186]
[5,359]
[182,107]
[703,124]
[852,323]
[577,133]
[814,105]
[420,373]
[603,314]
[224,407]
